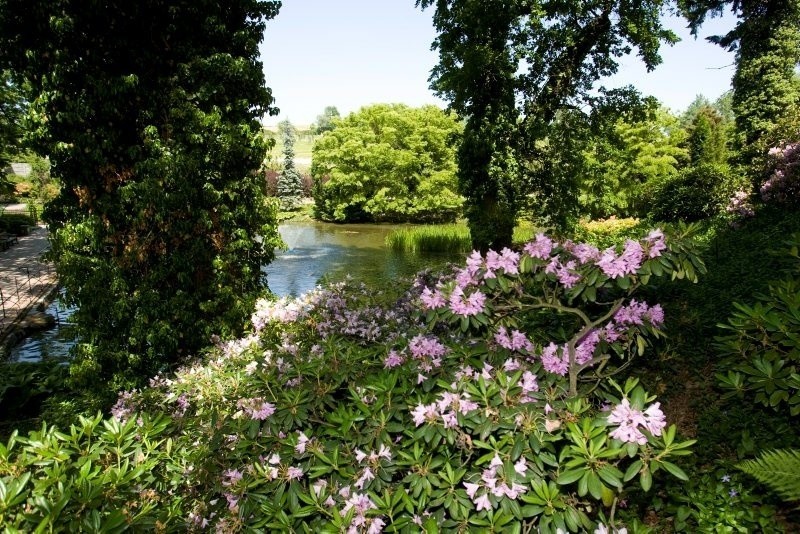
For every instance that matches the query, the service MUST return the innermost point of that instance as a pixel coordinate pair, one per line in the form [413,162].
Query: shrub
[694,194]
[762,343]
[477,401]
[16,223]
[607,232]
[783,185]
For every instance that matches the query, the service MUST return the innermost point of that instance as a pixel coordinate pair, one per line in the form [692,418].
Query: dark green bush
[694,194]
[16,223]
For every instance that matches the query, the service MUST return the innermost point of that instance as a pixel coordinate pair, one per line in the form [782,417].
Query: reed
[447,237]
[433,238]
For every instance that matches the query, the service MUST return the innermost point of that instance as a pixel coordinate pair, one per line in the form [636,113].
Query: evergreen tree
[149,112]
[290,183]
[766,92]
[707,138]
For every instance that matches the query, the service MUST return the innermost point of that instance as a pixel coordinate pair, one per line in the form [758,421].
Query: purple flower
[432,300]
[540,248]
[393,359]
[471,305]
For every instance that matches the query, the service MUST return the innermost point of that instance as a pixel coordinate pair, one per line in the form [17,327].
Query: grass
[432,238]
[446,237]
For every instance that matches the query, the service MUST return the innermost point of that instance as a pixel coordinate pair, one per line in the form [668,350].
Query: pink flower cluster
[283,310]
[361,523]
[630,420]
[563,262]
[493,482]
[783,185]
[515,341]
[444,409]
[256,408]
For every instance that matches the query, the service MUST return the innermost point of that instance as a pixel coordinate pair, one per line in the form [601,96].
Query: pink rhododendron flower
[656,243]
[393,359]
[302,440]
[432,300]
[461,304]
[630,419]
[482,503]
[540,248]
[553,360]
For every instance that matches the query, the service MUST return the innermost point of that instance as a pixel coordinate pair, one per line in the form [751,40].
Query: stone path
[24,278]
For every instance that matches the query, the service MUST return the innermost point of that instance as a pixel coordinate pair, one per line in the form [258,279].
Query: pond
[323,251]
[315,252]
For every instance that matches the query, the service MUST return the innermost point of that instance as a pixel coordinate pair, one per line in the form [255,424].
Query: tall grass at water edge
[445,238]
[438,238]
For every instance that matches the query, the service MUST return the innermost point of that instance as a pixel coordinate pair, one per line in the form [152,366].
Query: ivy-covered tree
[149,112]
[290,183]
[766,90]
[509,67]
[388,162]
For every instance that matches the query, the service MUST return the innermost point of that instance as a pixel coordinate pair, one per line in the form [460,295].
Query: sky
[352,53]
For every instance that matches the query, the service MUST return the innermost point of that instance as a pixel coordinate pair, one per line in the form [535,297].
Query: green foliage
[625,160]
[16,223]
[717,501]
[306,425]
[707,138]
[99,476]
[325,122]
[23,389]
[608,232]
[388,162]
[763,344]
[290,183]
[162,229]
[696,193]
[439,238]
[12,109]
[778,469]
[766,90]
[509,69]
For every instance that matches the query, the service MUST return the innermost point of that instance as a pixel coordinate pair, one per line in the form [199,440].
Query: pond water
[315,252]
[54,343]
[323,251]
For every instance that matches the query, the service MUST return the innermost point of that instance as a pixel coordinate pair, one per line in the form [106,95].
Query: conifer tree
[290,183]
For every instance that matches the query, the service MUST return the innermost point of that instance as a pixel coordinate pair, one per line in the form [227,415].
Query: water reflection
[320,251]
[316,252]
[53,343]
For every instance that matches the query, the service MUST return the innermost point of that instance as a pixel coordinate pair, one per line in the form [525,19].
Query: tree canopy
[148,111]
[509,67]
[388,162]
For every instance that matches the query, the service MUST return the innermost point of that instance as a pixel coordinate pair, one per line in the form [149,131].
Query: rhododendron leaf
[611,475]
[632,470]
[568,477]
[646,480]
[594,485]
[674,470]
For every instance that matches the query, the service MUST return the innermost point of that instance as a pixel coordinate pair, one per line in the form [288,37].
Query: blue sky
[351,53]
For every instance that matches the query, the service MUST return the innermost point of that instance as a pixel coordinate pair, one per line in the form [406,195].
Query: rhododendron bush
[491,398]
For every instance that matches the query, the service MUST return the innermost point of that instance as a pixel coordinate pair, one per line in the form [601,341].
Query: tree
[290,183]
[625,159]
[707,138]
[11,112]
[508,67]
[388,162]
[148,111]
[326,121]
[766,91]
